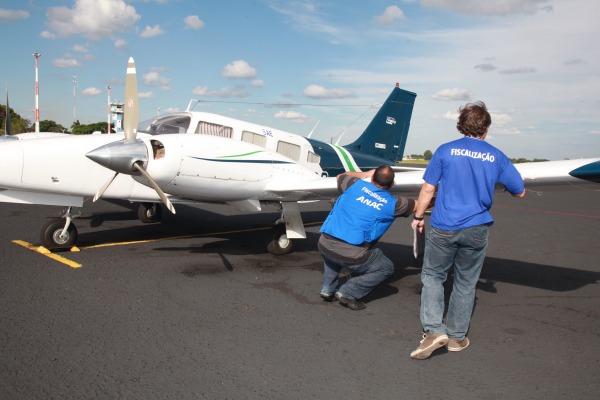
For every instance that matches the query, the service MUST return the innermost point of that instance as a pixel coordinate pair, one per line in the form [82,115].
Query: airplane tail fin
[386,135]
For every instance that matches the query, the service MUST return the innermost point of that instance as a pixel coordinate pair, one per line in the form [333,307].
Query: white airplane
[191,157]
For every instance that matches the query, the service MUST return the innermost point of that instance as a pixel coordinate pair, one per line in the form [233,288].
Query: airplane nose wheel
[54,235]
[280,244]
[150,212]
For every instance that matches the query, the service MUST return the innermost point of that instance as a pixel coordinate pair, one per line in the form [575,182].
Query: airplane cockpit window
[175,123]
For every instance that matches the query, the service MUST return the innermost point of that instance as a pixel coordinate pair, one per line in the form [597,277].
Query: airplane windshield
[174,123]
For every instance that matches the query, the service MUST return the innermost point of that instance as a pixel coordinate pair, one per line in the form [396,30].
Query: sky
[322,65]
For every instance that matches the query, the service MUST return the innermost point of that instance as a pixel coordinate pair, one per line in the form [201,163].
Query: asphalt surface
[195,308]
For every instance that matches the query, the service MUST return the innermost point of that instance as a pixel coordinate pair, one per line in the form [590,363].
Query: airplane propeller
[126,156]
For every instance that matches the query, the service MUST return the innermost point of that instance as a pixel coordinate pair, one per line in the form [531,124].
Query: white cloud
[193,22]
[120,43]
[145,95]
[153,78]
[390,15]
[490,7]
[149,31]
[80,49]
[519,70]
[91,18]
[258,83]
[293,116]
[452,94]
[12,15]
[224,92]
[319,92]
[47,35]
[65,63]
[91,91]
[239,69]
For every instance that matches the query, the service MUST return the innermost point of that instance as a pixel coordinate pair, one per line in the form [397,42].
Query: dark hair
[384,176]
[474,119]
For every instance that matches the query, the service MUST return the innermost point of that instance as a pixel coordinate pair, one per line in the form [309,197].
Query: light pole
[108,129]
[37,93]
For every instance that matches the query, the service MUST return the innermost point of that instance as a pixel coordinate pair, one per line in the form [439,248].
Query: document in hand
[418,242]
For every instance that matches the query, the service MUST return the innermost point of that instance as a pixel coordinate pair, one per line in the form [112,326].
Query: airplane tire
[280,244]
[149,212]
[50,235]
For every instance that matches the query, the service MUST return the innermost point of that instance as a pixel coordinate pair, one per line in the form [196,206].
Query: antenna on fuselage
[313,129]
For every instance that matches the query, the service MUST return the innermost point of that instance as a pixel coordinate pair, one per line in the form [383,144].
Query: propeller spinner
[130,155]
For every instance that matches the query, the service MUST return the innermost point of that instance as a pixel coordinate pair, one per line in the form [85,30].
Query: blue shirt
[466,172]
[361,215]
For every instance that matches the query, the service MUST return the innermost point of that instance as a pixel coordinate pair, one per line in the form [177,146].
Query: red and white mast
[37,93]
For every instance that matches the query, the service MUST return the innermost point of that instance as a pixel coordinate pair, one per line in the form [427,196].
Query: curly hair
[474,119]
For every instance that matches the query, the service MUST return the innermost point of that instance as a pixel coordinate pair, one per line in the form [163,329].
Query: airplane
[199,157]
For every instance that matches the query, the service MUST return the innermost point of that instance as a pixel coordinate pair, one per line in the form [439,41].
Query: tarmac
[195,308]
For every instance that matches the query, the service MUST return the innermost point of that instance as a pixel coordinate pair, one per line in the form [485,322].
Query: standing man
[465,172]
[360,216]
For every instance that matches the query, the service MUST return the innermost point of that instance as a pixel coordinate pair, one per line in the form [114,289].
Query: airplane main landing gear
[280,244]
[60,233]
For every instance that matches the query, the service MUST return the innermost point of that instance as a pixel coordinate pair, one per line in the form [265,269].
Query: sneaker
[456,345]
[352,304]
[430,343]
[327,296]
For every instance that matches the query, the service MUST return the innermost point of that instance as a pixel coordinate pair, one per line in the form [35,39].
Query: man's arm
[425,196]
[361,175]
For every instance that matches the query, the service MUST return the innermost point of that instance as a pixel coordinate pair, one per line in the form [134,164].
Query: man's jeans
[366,275]
[465,249]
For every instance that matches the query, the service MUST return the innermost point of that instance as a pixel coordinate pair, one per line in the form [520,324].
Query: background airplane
[202,157]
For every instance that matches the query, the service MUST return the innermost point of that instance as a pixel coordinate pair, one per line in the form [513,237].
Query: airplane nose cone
[589,172]
[121,156]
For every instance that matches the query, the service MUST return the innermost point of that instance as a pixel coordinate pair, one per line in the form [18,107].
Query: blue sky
[293,64]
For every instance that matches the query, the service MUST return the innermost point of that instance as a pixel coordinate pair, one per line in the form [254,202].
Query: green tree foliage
[51,126]
[83,129]
[427,155]
[18,124]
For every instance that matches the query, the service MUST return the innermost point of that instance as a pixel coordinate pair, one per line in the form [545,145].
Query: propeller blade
[161,194]
[104,187]
[131,112]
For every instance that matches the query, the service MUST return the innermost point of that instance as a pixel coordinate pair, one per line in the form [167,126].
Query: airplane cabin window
[289,150]
[313,158]
[207,128]
[254,138]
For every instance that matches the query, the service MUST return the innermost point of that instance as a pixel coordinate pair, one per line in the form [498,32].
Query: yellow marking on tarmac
[42,250]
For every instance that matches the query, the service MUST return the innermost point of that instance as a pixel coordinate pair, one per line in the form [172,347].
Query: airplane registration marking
[47,253]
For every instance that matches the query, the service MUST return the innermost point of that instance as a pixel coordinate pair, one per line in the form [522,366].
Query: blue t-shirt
[466,172]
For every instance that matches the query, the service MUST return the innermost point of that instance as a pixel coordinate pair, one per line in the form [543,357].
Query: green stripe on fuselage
[346,158]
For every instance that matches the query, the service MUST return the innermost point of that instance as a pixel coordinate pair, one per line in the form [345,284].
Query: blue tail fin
[386,135]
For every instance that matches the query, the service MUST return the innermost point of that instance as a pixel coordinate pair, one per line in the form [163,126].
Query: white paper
[418,242]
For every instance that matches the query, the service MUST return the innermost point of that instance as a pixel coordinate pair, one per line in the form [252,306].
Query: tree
[427,155]
[81,129]
[51,126]
[17,123]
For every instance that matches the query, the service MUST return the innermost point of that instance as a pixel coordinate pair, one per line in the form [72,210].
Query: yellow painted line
[95,246]
[42,250]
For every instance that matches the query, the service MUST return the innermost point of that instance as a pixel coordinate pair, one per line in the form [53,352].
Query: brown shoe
[430,343]
[456,345]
